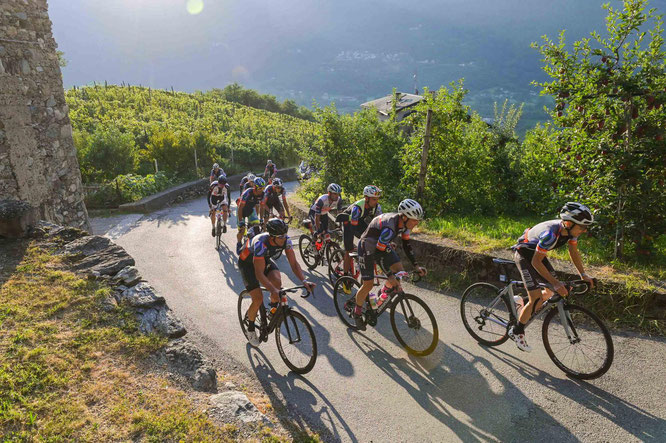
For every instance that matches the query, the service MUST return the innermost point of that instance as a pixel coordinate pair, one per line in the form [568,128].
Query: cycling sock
[519,328]
[358,310]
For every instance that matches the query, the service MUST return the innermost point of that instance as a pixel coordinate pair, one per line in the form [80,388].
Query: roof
[384,104]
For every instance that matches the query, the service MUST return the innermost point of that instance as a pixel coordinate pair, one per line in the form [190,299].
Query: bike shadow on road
[636,421]
[446,384]
[301,412]
[229,261]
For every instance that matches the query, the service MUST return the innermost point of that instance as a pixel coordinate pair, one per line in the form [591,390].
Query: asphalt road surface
[365,387]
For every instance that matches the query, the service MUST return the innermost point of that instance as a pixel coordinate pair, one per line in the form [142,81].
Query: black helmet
[222,180]
[276,227]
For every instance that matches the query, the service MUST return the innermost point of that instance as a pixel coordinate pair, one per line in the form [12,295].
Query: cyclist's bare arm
[578,263]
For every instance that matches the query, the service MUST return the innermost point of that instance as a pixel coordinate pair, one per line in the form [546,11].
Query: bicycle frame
[559,303]
[267,328]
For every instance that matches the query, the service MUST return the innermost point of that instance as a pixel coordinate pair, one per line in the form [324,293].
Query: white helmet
[251,177]
[269,162]
[333,187]
[410,209]
[277,182]
[577,213]
[215,166]
[372,191]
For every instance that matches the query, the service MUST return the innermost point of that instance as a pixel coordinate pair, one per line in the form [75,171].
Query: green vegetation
[72,371]
[122,130]
[128,188]
[235,93]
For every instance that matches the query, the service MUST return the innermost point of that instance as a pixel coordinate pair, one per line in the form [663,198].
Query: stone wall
[37,155]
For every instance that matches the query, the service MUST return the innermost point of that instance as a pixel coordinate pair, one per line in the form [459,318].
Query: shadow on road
[636,421]
[446,383]
[313,410]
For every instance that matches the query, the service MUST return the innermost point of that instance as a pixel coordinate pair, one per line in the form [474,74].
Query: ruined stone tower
[37,155]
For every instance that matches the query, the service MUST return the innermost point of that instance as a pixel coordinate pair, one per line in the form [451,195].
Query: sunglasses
[280,236]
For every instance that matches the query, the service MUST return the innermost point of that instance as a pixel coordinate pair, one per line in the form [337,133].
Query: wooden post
[156,170]
[196,163]
[424,155]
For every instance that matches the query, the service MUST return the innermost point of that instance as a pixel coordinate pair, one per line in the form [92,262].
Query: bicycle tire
[583,325]
[218,234]
[336,266]
[309,256]
[414,323]
[244,301]
[340,299]
[288,321]
[331,248]
[467,305]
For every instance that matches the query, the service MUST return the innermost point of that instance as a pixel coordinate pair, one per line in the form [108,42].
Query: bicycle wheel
[218,234]
[485,314]
[307,249]
[331,248]
[296,342]
[336,266]
[588,353]
[417,330]
[244,302]
[344,302]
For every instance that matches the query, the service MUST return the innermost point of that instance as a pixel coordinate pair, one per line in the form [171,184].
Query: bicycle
[285,323]
[569,331]
[320,252]
[219,227]
[336,266]
[416,323]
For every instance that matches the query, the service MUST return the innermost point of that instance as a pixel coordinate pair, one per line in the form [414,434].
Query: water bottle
[373,300]
[519,303]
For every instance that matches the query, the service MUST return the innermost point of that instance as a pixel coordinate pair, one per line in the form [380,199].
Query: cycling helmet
[215,166]
[259,182]
[334,188]
[410,209]
[222,180]
[277,182]
[372,191]
[269,162]
[251,177]
[276,227]
[577,213]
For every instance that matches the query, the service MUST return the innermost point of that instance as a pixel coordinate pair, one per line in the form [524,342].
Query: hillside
[168,126]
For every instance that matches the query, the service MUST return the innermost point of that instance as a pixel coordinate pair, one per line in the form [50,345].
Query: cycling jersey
[544,237]
[323,205]
[381,231]
[270,170]
[215,174]
[355,221]
[217,194]
[260,246]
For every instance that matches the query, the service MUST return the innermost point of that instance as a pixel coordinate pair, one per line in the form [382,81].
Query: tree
[610,93]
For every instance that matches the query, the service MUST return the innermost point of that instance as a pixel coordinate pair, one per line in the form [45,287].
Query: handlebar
[574,287]
[292,289]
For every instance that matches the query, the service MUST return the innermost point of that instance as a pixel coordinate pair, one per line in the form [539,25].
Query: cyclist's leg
[390,262]
[225,211]
[348,240]
[366,263]
[273,274]
[246,268]
[253,224]
[311,216]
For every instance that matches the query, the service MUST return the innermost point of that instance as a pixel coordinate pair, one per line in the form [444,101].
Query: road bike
[336,266]
[412,321]
[318,252]
[294,336]
[576,339]
[220,224]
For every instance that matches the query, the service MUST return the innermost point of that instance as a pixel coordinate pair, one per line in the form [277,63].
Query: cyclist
[356,218]
[258,269]
[272,198]
[270,172]
[530,257]
[249,203]
[246,182]
[322,206]
[216,172]
[375,245]
[219,193]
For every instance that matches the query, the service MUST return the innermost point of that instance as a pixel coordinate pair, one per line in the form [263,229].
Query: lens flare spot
[240,73]
[195,7]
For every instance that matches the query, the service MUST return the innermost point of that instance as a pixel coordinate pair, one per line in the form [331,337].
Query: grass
[71,371]
[485,234]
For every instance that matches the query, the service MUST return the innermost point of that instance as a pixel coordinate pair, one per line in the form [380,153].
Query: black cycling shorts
[366,261]
[531,277]
[323,220]
[247,272]
[274,203]
[350,231]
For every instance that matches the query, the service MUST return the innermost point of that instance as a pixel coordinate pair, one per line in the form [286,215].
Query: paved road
[365,387]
